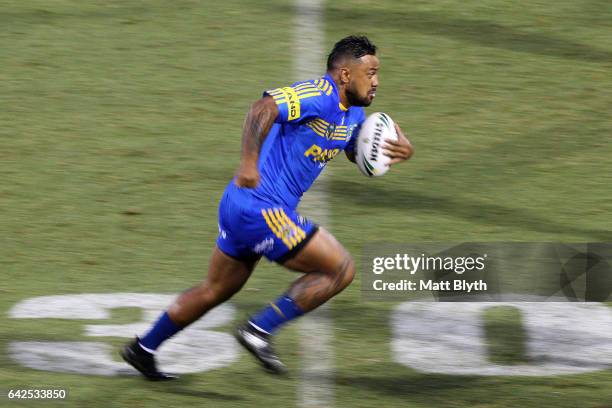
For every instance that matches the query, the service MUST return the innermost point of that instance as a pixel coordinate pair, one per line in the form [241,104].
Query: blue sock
[161,331]
[276,314]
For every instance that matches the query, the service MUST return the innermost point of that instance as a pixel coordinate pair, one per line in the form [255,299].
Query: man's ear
[345,76]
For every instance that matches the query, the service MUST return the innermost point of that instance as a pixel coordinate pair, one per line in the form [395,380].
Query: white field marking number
[195,349]
[448,338]
[445,338]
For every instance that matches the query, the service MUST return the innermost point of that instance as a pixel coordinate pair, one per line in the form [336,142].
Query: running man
[289,136]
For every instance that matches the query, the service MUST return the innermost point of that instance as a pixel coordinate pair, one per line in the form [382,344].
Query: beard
[355,100]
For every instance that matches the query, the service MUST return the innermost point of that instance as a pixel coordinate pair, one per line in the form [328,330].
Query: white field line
[317,373]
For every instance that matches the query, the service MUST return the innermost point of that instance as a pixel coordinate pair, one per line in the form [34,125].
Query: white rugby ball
[369,154]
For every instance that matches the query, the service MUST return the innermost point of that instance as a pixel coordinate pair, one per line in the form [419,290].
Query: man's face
[363,81]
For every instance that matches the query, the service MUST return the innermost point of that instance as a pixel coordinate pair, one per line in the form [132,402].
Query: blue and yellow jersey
[311,129]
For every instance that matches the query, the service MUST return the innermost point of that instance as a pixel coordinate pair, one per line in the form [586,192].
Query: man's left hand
[399,150]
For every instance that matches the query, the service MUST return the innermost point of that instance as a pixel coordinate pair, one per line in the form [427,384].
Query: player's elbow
[346,272]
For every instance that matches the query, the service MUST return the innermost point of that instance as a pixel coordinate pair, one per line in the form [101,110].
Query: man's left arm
[350,154]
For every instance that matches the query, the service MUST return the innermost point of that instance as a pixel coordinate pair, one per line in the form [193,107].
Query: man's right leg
[226,276]
[328,269]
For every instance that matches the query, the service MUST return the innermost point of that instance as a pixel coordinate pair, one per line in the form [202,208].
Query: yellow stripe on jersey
[318,129]
[277,94]
[320,126]
[318,132]
[327,88]
[299,89]
[303,86]
[322,123]
[275,91]
[310,94]
[292,96]
[324,85]
[308,89]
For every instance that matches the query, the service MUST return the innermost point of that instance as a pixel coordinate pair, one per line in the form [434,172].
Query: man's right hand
[247,177]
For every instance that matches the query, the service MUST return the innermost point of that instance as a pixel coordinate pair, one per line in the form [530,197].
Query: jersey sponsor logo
[264,246]
[292,95]
[320,155]
[293,103]
[329,132]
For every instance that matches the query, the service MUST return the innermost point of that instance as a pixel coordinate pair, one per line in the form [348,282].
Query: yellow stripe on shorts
[291,236]
[298,231]
[276,226]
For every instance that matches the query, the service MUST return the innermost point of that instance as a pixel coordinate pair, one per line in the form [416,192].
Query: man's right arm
[257,124]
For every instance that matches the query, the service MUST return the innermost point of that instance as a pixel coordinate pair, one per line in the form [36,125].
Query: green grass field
[120,127]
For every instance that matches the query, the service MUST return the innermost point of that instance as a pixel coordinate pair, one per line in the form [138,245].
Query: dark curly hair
[352,46]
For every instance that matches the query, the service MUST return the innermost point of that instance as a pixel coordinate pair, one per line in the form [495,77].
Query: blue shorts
[250,228]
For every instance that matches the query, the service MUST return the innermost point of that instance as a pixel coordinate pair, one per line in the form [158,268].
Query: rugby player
[289,136]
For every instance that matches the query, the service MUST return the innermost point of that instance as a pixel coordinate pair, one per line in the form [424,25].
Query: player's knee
[213,293]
